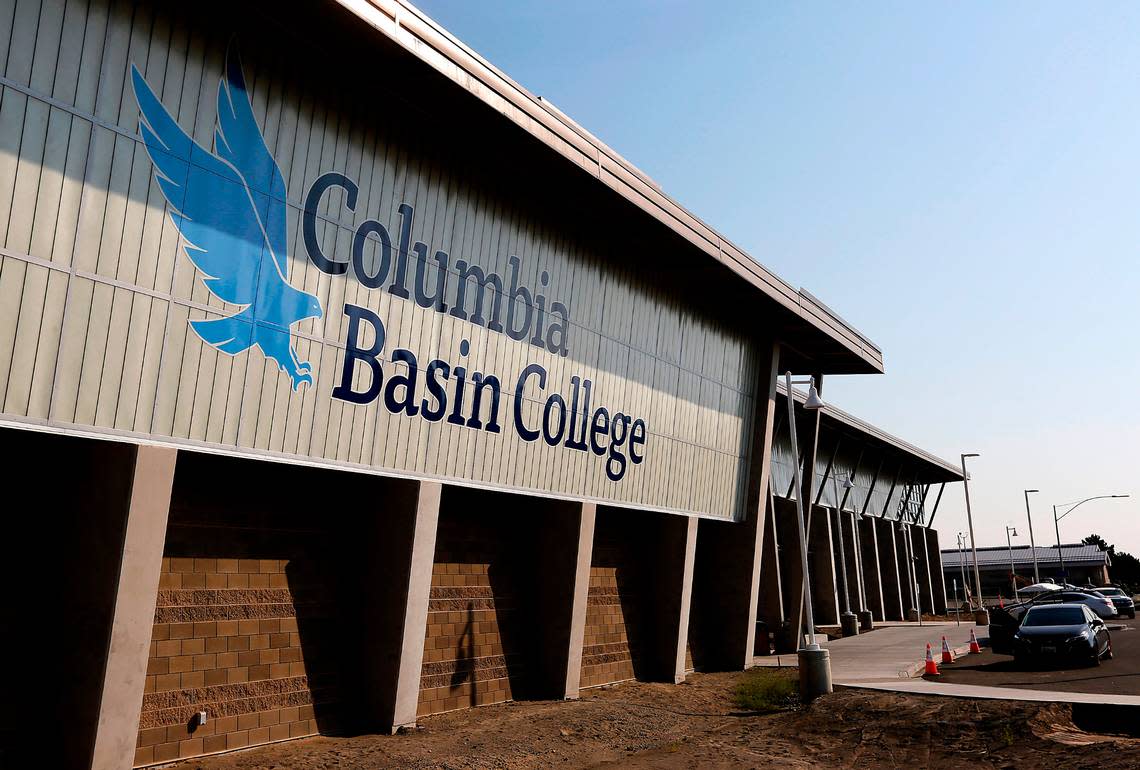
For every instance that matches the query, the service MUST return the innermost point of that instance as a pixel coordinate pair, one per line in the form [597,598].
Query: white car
[1095,601]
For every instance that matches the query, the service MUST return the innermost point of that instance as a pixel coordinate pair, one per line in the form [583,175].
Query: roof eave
[834,346]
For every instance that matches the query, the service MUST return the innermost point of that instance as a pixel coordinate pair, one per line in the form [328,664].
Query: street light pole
[1060,552]
[981,616]
[814,661]
[848,623]
[1032,543]
[1012,569]
[962,562]
[1057,524]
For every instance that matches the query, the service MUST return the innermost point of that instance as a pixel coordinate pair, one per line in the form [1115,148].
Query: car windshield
[1054,616]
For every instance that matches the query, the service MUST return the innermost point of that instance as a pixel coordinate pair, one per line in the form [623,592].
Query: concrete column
[872,575]
[674,582]
[850,558]
[821,567]
[906,581]
[395,548]
[889,571]
[922,568]
[421,557]
[124,673]
[771,609]
[807,424]
[937,574]
[567,547]
[726,572]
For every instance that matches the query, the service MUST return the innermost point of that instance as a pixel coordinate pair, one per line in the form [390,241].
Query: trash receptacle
[785,639]
[763,641]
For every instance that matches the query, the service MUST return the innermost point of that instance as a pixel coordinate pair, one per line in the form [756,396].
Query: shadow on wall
[256,553]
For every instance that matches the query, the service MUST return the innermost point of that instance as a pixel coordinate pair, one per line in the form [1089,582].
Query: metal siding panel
[129,360]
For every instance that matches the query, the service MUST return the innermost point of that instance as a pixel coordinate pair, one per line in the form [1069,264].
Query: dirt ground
[696,724]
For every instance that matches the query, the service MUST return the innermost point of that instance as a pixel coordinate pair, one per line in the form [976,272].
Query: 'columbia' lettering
[478,296]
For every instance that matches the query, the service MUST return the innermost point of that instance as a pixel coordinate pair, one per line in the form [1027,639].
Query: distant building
[1084,564]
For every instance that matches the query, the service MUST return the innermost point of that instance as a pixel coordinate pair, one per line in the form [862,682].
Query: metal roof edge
[429,41]
[852,421]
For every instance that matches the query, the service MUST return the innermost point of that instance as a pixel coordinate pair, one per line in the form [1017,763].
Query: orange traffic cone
[974,646]
[946,656]
[931,666]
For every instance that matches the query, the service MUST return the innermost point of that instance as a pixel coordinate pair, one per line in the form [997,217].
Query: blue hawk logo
[231,210]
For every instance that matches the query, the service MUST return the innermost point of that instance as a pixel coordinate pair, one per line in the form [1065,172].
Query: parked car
[1122,601]
[1061,632]
[1004,622]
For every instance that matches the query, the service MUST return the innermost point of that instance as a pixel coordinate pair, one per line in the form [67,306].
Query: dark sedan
[1061,631]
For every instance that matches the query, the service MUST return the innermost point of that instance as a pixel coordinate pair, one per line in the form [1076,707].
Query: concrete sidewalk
[891,652]
[892,658]
[924,687]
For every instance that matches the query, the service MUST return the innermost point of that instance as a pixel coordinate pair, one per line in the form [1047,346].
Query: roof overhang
[933,469]
[814,338]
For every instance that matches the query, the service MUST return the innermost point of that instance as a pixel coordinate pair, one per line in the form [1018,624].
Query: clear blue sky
[960,181]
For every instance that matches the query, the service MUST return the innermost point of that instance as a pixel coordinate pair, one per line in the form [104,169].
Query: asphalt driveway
[1119,676]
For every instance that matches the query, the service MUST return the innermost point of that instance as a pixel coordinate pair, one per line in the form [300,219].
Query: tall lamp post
[848,622]
[1032,544]
[866,619]
[1057,525]
[981,616]
[815,661]
[1011,531]
[962,563]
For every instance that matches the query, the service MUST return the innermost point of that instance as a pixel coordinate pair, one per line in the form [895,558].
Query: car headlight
[1082,636]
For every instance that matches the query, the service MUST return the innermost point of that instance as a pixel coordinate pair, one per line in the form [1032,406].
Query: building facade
[1000,568]
[347,382]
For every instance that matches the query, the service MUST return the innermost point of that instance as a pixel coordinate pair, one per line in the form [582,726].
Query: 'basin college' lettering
[526,316]
[573,426]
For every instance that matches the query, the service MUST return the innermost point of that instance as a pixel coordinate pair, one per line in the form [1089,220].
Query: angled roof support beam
[871,489]
[827,471]
[937,500]
[891,492]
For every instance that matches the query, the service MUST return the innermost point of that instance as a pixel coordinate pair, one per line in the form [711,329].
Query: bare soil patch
[698,724]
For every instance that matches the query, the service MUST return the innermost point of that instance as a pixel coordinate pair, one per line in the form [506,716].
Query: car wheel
[1095,658]
[1132,615]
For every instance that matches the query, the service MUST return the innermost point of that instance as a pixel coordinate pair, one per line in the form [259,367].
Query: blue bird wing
[240,143]
[220,217]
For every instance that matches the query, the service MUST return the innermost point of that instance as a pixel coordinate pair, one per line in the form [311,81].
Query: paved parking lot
[1119,676]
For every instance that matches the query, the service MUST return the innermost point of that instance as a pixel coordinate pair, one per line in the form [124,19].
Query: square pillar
[822,568]
[124,672]
[937,574]
[889,571]
[922,568]
[567,546]
[850,559]
[906,578]
[726,576]
[771,607]
[396,548]
[784,518]
[872,570]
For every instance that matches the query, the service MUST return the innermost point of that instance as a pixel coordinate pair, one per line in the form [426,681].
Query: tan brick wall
[614,617]
[477,640]
[249,622]
[248,673]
